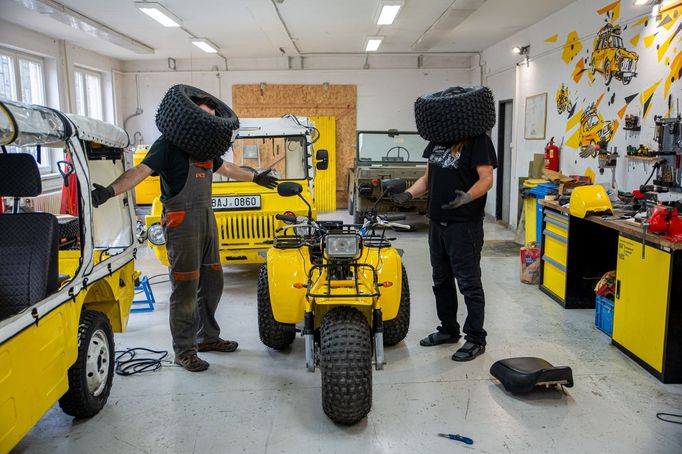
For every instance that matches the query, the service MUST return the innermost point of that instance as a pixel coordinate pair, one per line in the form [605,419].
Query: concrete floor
[260,401]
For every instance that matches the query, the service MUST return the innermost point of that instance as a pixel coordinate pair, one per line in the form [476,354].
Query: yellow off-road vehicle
[593,128]
[66,282]
[346,284]
[610,58]
[245,212]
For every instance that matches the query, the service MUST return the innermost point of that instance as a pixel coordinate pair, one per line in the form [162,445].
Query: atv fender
[287,267]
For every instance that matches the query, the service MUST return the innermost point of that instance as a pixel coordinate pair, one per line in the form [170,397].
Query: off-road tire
[78,400]
[454,114]
[396,329]
[272,333]
[608,74]
[346,365]
[198,133]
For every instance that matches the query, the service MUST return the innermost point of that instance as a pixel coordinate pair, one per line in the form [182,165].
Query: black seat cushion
[19,175]
[520,375]
[29,262]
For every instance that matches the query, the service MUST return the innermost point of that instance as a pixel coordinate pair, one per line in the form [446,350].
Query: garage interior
[587,125]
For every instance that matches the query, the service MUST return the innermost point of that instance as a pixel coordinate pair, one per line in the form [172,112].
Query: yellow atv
[66,281]
[346,284]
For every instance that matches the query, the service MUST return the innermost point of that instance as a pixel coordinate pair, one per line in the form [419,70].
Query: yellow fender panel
[589,199]
[287,267]
[388,264]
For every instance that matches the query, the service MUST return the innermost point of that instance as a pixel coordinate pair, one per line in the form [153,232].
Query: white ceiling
[251,28]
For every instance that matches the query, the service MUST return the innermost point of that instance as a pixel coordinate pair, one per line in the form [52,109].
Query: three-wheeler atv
[348,287]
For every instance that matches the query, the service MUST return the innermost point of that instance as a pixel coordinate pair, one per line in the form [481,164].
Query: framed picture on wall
[536,117]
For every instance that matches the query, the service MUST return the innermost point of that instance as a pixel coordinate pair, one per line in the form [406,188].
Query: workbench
[647,322]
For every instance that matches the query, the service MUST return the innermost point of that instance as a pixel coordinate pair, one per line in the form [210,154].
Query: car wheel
[608,75]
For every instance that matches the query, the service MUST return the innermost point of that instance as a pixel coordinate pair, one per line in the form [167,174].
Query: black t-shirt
[449,173]
[172,164]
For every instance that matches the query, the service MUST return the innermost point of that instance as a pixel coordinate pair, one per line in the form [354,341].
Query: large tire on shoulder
[396,329]
[91,375]
[198,133]
[346,365]
[455,114]
[272,333]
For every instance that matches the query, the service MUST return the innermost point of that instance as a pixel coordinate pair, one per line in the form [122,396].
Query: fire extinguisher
[552,156]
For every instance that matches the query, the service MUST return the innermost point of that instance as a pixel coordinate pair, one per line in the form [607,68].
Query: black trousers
[455,250]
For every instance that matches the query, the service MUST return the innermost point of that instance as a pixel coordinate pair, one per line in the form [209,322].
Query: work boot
[219,345]
[191,362]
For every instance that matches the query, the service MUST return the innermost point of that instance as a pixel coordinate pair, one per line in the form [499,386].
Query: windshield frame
[385,133]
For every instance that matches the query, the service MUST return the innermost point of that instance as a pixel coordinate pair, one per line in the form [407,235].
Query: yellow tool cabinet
[648,308]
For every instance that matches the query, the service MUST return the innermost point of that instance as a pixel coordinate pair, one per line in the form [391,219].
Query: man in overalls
[196,274]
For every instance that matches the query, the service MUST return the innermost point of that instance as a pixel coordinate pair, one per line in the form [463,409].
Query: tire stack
[455,114]
[199,134]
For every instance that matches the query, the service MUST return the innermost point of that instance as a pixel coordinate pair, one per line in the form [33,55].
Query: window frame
[84,71]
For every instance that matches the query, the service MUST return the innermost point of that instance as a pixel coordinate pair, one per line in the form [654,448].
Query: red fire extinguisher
[552,156]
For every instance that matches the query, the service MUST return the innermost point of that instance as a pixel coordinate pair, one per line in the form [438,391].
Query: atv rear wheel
[346,365]
[272,333]
[396,329]
[91,375]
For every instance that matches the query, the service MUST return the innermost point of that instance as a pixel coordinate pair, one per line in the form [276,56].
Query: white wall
[548,70]
[385,96]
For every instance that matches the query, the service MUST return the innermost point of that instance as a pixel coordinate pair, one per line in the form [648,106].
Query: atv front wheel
[91,375]
[272,333]
[396,329]
[346,365]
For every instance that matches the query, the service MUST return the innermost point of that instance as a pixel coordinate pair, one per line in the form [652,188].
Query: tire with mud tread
[455,114]
[396,329]
[346,365]
[198,133]
[91,375]
[272,333]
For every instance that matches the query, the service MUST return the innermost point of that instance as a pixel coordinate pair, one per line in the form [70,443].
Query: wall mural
[606,69]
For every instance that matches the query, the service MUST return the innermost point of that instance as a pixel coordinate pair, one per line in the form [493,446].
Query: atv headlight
[342,246]
[155,234]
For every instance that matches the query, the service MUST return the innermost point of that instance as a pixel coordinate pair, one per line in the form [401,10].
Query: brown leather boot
[219,345]
[191,362]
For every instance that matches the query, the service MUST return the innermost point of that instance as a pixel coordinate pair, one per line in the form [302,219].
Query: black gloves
[101,194]
[461,198]
[401,198]
[265,179]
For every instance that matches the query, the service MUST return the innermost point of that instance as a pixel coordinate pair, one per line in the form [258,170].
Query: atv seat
[29,242]
[521,375]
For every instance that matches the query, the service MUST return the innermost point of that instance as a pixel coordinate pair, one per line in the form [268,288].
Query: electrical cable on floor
[127,363]
[659,416]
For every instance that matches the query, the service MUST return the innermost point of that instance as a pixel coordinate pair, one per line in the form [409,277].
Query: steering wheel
[398,149]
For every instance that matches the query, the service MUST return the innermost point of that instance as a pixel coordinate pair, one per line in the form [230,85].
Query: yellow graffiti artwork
[646,97]
[552,39]
[675,73]
[572,47]
[614,8]
[574,120]
[634,41]
[649,40]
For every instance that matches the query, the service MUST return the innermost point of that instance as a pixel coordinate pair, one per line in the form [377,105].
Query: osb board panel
[340,101]
[269,154]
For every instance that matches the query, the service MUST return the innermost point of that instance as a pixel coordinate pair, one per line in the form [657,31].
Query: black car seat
[521,375]
[29,243]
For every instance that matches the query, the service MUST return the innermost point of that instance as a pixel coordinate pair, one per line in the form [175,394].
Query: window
[89,93]
[22,78]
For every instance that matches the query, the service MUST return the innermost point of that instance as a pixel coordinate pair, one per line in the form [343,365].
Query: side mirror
[394,186]
[322,157]
[289,189]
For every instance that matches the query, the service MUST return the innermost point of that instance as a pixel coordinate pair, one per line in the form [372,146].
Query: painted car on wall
[610,58]
[593,127]
[563,101]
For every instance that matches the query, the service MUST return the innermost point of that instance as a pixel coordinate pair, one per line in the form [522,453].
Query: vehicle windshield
[393,147]
[286,156]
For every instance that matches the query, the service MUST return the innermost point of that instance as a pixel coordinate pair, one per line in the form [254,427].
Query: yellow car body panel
[150,188]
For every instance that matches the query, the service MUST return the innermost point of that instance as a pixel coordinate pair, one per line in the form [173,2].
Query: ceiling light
[373,43]
[159,13]
[646,2]
[389,11]
[205,45]
[523,50]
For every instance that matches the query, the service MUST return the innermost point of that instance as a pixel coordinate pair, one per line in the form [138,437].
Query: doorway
[504,152]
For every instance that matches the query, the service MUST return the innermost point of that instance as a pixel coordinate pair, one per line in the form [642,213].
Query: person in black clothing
[457,179]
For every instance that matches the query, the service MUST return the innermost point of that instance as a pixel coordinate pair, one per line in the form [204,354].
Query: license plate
[237,202]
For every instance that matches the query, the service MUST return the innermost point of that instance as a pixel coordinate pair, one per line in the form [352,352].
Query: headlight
[155,234]
[342,246]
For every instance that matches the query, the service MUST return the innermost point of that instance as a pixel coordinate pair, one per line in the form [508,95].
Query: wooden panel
[325,180]
[340,101]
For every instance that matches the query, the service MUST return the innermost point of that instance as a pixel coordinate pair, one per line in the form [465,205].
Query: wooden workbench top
[629,228]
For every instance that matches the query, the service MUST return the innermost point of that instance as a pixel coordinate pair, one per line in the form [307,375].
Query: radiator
[50,202]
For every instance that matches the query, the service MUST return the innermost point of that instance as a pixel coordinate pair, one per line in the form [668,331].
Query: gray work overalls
[196,274]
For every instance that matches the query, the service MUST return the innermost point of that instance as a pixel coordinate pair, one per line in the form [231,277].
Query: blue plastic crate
[603,315]
[540,191]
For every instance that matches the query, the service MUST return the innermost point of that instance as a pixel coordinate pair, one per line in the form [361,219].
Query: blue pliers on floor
[456,437]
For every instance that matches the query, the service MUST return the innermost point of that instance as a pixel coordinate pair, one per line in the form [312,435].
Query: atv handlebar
[394,217]
[285,218]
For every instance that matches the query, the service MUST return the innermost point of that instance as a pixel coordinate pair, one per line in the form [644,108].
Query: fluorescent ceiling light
[389,11]
[373,43]
[205,45]
[159,13]
[645,2]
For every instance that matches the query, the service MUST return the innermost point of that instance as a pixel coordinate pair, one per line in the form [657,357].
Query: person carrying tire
[461,159]
[197,129]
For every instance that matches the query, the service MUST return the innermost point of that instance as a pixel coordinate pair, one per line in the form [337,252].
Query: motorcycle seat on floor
[521,375]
